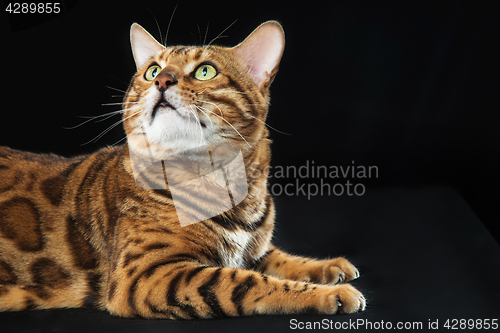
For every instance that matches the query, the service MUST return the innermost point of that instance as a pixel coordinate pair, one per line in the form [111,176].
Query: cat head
[183,97]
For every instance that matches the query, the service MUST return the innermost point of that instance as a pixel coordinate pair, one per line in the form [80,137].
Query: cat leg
[29,297]
[187,289]
[283,265]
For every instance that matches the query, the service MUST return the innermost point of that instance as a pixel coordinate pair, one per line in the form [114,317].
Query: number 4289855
[33,8]
[478,324]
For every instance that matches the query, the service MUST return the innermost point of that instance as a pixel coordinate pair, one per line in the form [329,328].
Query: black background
[408,86]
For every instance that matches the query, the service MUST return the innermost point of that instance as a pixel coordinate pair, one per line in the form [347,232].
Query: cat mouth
[164,106]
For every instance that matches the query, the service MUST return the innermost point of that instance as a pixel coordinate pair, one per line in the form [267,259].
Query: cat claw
[362,306]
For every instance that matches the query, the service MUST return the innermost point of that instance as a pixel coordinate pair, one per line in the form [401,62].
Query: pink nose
[164,80]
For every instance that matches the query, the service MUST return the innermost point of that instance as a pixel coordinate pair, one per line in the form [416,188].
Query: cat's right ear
[144,46]
[261,52]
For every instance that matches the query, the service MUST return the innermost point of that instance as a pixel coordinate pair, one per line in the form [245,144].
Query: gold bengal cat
[81,232]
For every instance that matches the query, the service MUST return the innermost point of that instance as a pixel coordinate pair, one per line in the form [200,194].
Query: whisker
[122,96]
[114,113]
[104,119]
[199,100]
[206,33]
[228,124]
[223,31]
[117,79]
[196,106]
[194,38]
[137,130]
[170,22]
[157,25]
[124,138]
[199,124]
[223,91]
[117,142]
[95,139]
[268,125]
[199,31]
[125,95]
[123,91]
[118,103]
[106,114]
[109,114]
[73,127]
[201,91]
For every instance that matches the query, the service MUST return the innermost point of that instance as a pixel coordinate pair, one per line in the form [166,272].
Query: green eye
[152,72]
[205,72]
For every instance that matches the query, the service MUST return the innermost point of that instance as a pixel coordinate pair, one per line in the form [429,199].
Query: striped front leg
[185,290]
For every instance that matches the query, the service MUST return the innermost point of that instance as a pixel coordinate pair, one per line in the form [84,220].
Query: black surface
[422,253]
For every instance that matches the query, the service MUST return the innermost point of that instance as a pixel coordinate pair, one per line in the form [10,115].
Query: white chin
[175,132]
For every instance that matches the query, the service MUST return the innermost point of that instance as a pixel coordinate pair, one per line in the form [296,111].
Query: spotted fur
[80,232]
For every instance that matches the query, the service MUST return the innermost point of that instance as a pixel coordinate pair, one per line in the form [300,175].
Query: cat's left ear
[261,52]
[144,46]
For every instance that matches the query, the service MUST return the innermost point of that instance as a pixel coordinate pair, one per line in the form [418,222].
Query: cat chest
[234,247]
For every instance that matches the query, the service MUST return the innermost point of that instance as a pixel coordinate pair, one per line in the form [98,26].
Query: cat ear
[144,46]
[261,52]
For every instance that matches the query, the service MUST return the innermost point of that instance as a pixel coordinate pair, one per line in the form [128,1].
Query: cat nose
[165,80]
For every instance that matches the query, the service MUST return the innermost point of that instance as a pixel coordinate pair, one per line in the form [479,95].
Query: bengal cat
[81,232]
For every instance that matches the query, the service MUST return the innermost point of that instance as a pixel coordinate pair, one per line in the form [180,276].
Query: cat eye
[152,72]
[205,72]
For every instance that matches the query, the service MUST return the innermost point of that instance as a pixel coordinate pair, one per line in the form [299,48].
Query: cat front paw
[340,270]
[342,298]
[332,271]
